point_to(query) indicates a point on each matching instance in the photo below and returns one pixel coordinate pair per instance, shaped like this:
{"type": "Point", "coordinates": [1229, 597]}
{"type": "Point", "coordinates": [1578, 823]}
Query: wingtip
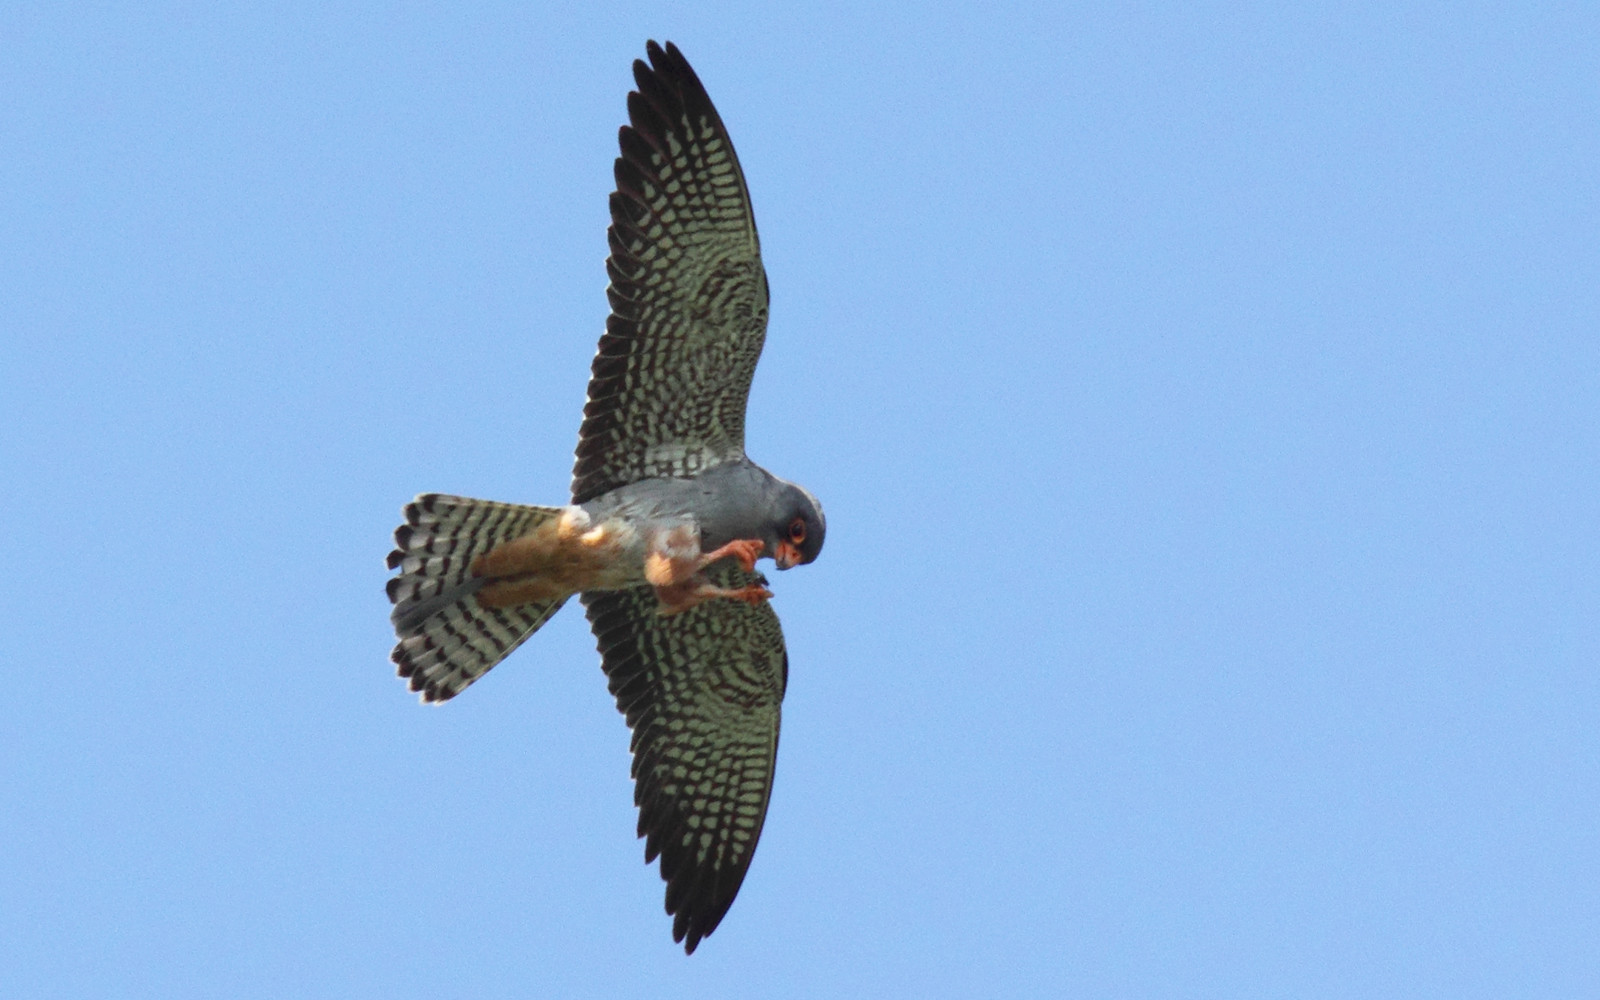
{"type": "Point", "coordinates": [666, 61]}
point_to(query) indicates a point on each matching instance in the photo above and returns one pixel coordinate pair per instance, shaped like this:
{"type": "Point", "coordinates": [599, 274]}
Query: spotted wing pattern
{"type": "Point", "coordinates": [701, 691]}
{"type": "Point", "coordinates": [447, 639]}
{"type": "Point", "coordinates": [688, 293]}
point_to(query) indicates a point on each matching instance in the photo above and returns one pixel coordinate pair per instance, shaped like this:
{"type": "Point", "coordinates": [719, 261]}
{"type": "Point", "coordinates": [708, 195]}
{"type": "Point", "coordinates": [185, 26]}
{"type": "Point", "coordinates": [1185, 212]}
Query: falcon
{"type": "Point", "coordinates": [668, 517]}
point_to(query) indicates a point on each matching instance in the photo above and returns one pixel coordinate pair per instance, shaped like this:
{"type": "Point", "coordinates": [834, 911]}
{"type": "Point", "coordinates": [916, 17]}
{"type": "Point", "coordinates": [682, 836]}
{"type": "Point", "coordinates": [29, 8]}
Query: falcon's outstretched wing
{"type": "Point", "coordinates": [701, 691]}
{"type": "Point", "coordinates": [688, 293]}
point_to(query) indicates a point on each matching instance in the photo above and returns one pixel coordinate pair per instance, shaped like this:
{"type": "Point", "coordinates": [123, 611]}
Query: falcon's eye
{"type": "Point", "coordinates": [797, 530]}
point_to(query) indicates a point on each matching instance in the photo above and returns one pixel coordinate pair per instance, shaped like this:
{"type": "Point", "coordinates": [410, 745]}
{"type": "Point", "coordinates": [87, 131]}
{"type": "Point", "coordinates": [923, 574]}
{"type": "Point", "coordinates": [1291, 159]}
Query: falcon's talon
{"type": "Point", "coordinates": [745, 550]}
{"type": "Point", "coordinates": [674, 598]}
{"type": "Point", "coordinates": [753, 594]}
{"type": "Point", "coordinates": [660, 466]}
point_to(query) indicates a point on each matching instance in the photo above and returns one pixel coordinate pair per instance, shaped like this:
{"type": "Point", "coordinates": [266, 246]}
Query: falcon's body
{"type": "Point", "coordinates": [667, 519]}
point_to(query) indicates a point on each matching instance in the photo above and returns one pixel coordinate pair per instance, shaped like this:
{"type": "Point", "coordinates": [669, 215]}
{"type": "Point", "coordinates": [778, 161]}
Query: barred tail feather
{"type": "Point", "coordinates": [447, 639]}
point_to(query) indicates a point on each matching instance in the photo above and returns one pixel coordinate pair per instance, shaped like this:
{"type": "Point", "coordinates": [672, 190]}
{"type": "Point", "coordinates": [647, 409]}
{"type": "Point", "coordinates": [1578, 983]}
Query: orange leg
{"type": "Point", "coordinates": [683, 596]}
{"type": "Point", "coordinates": [746, 550]}
{"type": "Point", "coordinates": [680, 585]}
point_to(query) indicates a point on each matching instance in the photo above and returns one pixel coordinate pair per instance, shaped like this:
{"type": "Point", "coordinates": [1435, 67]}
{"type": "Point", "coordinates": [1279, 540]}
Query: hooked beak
{"type": "Point", "coordinates": [787, 555]}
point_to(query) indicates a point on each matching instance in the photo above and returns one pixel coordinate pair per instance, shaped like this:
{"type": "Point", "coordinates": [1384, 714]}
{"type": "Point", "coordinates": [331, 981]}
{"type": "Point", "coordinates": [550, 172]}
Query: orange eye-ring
{"type": "Point", "coordinates": [797, 530]}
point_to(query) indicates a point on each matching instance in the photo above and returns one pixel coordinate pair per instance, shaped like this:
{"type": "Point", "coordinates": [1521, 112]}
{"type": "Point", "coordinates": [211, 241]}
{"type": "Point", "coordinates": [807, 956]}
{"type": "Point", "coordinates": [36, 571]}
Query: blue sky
{"type": "Point", "coordinates": [1204, 399]}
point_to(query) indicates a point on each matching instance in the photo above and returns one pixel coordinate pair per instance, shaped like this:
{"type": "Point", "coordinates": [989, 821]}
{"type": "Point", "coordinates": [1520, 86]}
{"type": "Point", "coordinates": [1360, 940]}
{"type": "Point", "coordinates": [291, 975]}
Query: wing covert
{"type": "Point", "coordinates": [688, 293]}
{"type": "Point", "coordinates": [701, 692]}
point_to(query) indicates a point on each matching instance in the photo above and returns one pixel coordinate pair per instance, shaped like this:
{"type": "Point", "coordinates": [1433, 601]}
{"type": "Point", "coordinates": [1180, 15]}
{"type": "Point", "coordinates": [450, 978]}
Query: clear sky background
{"type": "Point", "coordinates": [1204, 400]}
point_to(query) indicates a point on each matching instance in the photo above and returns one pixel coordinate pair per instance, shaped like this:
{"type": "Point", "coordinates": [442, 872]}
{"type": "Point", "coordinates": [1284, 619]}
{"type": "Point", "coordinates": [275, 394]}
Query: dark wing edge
{"type": "Point", "coordinates": [688, 292]}
{"type": "Point", "coordinates": [701, 692]}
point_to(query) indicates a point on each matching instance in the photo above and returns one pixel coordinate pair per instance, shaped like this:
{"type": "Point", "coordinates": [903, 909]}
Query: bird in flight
{"type": "Point", "coordinates": [668, 516]}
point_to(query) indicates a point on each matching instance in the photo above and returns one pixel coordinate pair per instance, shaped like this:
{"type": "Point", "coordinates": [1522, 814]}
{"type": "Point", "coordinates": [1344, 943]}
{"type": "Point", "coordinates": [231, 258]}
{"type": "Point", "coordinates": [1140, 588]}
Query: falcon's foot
{"type": "Point", "coordinates": [675, 563]}
{"type": "Point", "coordinates": [683, 596]}
{"type": "Point", "coordinates": [676, 557]}
{"type": "Point", "coordinates": [746, 550]}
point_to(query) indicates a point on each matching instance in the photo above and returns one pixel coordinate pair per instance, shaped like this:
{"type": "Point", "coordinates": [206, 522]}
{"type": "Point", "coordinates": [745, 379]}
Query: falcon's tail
{"type": "Point", "coordinates": [448, 639]}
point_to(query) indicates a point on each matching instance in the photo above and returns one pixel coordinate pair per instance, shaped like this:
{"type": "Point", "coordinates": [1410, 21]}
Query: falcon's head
{"type": "Point", "coordinates": [795, 536]}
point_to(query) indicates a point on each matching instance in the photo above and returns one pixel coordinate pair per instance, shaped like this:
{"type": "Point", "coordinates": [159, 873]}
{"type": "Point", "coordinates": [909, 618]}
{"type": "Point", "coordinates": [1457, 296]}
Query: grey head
{"type": "Point", "coordinates": [804, 526]}
{"type": "Point", "coordinates": [791, 524]}
{"type": "Point", "coordinates": [732, 501]}
{"type": "Point", "coordinates": [743, 500]}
